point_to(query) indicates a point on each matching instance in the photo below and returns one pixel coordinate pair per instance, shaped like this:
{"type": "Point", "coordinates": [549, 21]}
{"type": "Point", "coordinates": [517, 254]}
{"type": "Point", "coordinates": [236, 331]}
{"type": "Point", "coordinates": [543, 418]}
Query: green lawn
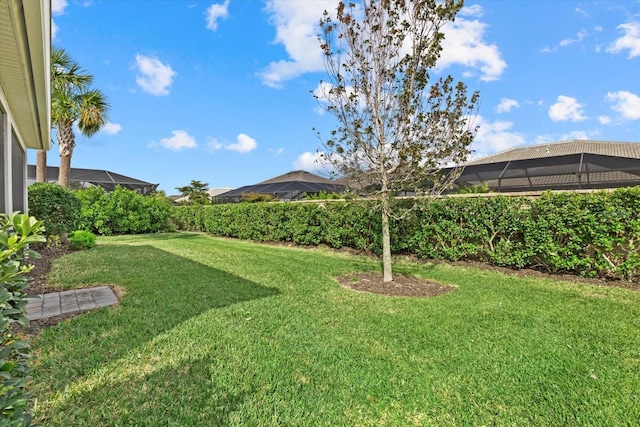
{"type": "Point", "coordinates": [221, 332]}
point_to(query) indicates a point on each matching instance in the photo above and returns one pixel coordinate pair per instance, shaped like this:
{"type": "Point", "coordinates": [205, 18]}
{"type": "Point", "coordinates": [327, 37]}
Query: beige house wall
{"type": "Point", "coordinates": [25, 93]}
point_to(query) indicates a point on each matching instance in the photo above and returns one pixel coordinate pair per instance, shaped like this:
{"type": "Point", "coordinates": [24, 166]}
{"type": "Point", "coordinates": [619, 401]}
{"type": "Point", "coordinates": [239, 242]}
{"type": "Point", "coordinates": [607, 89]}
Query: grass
{"type": "Point", "coordinates": [221, 332]}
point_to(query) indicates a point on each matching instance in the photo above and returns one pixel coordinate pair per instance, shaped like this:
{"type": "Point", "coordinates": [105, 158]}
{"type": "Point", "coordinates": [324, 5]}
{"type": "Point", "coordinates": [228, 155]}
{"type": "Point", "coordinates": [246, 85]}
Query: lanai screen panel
{"type": "Point", "coordinates": [576, 171]}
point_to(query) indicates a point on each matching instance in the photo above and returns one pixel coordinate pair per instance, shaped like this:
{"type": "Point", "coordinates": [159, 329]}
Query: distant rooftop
{"type": "Point", "coordinates": [575, 164]}
{"type": "Point", "coordinates": [564, 148]}
{"type": "Point", "coordinates": [102, 178]}
{"type": "Point", "coordinates": [289, 186]}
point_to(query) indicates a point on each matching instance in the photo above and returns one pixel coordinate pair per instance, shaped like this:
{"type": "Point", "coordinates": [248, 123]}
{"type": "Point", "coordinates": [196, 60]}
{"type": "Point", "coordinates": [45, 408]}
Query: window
{"type": "Point", "coordinates": [3, 165]}
{"type": "Point", "coordinates": [18, 166]}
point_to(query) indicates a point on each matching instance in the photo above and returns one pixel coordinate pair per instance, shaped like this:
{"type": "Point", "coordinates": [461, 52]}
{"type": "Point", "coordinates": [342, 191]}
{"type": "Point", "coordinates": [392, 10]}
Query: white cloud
{"type": "Point", "coordinates": [627, 104]}
{"type": "Point", "coordinates": [179, 140]}
{"type": "Point", "coordinates": [464, 44]}
{"type": "Point", "coordinates": [581, 12]}
{"type": "Point", "coordinates": [604, 120]}
{"type": "Point", "coordinates": [111, 128]}
{"type": "Point", "coordinates": [473, 10]}
{"type": "Point", "coordinates": [311, 162]}
{"type": "Point", "coordinates": [276, 152]}
{"type": "Point", "coordinates": [581, 35]}
{"type": "Point", "coordinates": [506, 105]}
{"type": "Point", "coordinates": [323, 94]}
{"type": "Point", "coordinates": [566, 108]}
{"type": "Point", "coordinates": [576, 134]}
{"type": "Point", "coordinates": [544, 139]}
{"type": "Point", "coordinates": [296, 25]}
{"type": "Point", "coordinates": [155, 77]}
{"type": "Point", "coordinates": [495, 137]}
{"type": "Point", "coordinates": [58, 6]}
{"type": "Point", "coordinates": [630, 40]}
{"type": "Point", "coordinates": [244, 144]}
{"type": "Point", "coordinates": [216, 12]}
{"type": "Point", "coordinates": [322, 91]}
{"type": "Point", "coordinates": [214, 145]}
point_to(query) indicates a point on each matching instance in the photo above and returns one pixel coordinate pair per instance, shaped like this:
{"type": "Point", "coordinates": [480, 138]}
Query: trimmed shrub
{"type": "Point", "coordinates": [56, 206]}
{"type": "Point", "coordinates": [16, 233]}
{"type": "Point", "coordinates": [123, 211]}
{"type": "Point", "coordinates": [592, 234]}
{"type": "Point", "coordinates": [82, 239]}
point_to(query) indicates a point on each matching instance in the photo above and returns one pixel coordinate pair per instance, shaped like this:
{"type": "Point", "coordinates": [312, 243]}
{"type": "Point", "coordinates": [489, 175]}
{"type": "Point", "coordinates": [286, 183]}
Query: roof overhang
{"type": "Point", "coordinates": [25, 49]}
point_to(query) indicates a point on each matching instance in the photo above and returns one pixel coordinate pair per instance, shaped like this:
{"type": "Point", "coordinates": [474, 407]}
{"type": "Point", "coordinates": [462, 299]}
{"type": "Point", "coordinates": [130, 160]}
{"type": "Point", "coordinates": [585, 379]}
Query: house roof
{"type": "Point", "coordinates": [102, 178]}
{"type": "Point", "coordinates": [25, 39]}
{"type": "Point", "coordinates": [576, 164]}
{"type": "Point", "coordinates": [297, 176]}
{"type": "Point", "coordinates": [603, 148]}
{"type": "Point", "coordinates": [287, 186]}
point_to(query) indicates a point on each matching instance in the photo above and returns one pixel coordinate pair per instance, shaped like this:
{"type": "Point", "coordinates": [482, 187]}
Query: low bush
{"type": "Point", "coordinates": [16, 233]}
{"type": "Point", "coordinates": [82, 239]}
{"type": "Point", "coordinates": [58, 207]}
{"type": "Point", "coordinates": [592, 234]}
{"type": "Point", "coordinates": [122, 211]}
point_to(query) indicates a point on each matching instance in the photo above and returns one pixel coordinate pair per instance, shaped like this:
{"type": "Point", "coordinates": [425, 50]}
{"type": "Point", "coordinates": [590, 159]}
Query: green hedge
{"type": "Point", "coordinates": [592, 234]}
{"type": "Point", "coordinates": [56, 206]}
{"type": "Point", "coordinates": [122, 211]}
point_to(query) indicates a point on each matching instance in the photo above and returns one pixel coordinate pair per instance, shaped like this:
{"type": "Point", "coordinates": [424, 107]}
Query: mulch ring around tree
{"type": "Point", "coordinates": [402, 285]}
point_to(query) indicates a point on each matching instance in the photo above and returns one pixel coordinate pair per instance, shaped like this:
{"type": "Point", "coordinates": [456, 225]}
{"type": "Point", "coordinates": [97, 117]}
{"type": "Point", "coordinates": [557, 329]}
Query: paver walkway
{"type": "Point", "coordinates": [57, 303]}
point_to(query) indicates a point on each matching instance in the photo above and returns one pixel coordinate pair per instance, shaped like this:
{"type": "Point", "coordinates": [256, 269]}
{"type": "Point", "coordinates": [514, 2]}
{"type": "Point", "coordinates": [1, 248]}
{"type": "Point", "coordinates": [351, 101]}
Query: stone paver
{"type": "Point", "coordinates": [57, 303]}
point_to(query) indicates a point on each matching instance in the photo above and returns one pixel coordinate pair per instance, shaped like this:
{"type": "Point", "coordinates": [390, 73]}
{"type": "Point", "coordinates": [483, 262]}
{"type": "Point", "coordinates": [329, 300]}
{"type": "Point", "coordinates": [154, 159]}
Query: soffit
{"type": "Point", "coordinates": [24, 75]}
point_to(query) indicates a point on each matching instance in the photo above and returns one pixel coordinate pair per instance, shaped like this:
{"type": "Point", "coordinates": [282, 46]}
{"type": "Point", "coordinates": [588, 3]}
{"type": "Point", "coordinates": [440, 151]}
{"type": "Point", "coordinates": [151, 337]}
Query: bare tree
{"type": "Point", "coordinates": [398, 129]}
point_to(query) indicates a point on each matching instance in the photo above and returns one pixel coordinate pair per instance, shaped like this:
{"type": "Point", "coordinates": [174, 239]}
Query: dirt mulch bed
{"type": "Point", "coordinates": [41, 266]}
{"type": "Point", "coordinates": [402, 285]}
{"type": "Point", "coordinates": [38, 282]}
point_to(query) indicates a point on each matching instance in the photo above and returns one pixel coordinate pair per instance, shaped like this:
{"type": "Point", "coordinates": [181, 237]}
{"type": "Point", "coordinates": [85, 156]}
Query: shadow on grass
{"type": "Point", "coordinates": [162, 291]}
{"type": "Point", "coordinates": [183, 394]}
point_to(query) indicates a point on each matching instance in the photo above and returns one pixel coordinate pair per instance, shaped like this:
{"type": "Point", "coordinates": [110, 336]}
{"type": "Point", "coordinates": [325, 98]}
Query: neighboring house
{"type": "Point", "coordinates": [293, 185]}
{"type": "Point", "coordinates": [81, 178]}
{"type": "Point", "coordinates": [567, 165]}
{"type": "Point", "coordinates": [213, 193]}
{"type": "Point", "coordinates": [25, 95]}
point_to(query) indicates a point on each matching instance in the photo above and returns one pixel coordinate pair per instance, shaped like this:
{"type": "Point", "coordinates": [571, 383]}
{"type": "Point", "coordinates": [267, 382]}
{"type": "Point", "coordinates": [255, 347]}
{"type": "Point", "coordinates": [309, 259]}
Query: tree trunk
{"type": "Point", "coordinates": [41, 166]}
{"type": "Point", "coordinates": [387, 275]}
{"type": "Point", "coordinates": [64, 174]}
{"type": "Point", "coordinates": [66, 143]}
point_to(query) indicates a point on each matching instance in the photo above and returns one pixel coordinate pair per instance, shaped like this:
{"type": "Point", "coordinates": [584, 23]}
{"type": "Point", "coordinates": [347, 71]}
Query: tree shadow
{"type": "Point", "coordinates": [182, 394]}
{"type": "Point", "coordinates": [158, 297]}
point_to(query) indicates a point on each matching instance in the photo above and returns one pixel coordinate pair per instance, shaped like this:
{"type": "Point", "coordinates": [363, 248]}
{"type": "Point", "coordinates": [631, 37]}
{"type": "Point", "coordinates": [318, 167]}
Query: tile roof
{"type": "Point", "coordinates": [297, 176]}
{"type": "Point", "coordinates": [603, 148]}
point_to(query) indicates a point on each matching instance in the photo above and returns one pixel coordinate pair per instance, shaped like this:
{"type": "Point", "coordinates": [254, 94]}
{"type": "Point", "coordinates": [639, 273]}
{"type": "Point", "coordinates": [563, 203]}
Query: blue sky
{"type": "Point", "coordinates": [221, 91]}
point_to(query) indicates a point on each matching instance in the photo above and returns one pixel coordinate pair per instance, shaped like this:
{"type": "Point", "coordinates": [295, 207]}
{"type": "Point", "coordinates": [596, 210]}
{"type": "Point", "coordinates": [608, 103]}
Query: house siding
{"type": "Point", "coordinates": [5, 168]}
{"type": "Point", "coordinates": [25, 99]}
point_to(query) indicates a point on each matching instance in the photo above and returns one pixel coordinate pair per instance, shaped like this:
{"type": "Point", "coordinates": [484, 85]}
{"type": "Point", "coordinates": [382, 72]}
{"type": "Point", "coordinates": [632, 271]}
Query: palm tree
{"type": "Point", "coordinates": [73, 102]}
